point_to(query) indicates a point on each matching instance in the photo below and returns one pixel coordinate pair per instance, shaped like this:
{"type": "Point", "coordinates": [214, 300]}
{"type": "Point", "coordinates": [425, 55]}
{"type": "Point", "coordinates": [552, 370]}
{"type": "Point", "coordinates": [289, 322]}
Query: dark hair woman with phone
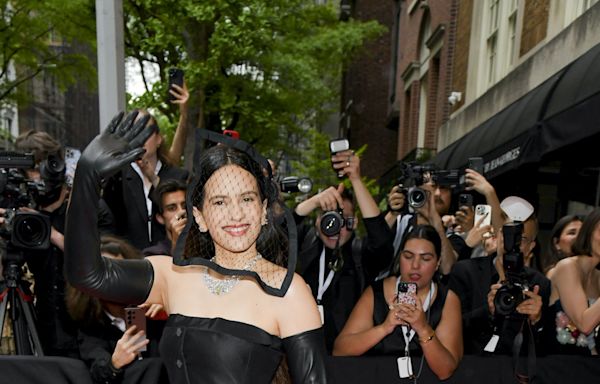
{"type": "Point", "coordinates": [236, 308]}
{"type": "Point", "coordinates": [429, 330]}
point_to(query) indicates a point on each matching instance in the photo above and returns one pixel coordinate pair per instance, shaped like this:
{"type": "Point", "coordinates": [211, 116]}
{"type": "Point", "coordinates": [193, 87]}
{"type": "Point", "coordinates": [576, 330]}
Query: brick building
{"type": "Point", "coordinates": [367, 92]}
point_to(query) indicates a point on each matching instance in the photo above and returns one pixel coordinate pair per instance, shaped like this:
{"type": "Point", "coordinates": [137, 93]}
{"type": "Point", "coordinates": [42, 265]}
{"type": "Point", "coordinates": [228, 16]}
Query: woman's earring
{"type": "Point", "coordinates": [265, 220]}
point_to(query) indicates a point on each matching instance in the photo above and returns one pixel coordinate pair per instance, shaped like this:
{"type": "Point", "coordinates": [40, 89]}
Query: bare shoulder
{"type": "Point", "coordinates": [297, 311]}
{"type": "Point", "coordinates": [566, 265]}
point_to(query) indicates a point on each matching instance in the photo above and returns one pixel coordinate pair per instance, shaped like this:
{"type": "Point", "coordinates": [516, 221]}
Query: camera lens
{"type": "Point", "coordinates": [508, 297]}
{"type": "Point", "coordinates": [331, 223]}
{"type": "Point", "coordinates": [31, 231]}
{"type": "Point", "coordinates": [417, 197]}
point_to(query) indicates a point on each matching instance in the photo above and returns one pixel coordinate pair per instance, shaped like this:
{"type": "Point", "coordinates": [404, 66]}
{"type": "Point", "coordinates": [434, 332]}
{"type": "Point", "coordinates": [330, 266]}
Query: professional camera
{"type": "Point", "coordinates": [332, 222]}
{"type": "Point", "coordinates": [291, 184]}
{"type": "Point", "coordinates": [24, 229]}
{"type": "Point", "coordinates": [510, 294]}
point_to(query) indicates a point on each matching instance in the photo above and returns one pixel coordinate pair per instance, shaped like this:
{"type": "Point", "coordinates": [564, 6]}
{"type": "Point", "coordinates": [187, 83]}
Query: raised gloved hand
{"type": "Point", "coordinates": [119, 281]}
{"type": "Point", "coordinates": [118, 145]}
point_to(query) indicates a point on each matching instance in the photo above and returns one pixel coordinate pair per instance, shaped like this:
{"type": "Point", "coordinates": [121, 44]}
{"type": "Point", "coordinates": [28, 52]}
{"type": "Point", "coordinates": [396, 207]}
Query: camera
{"type": "Point", "coordinates": [332, 222]}
{"type": "Point", "coordinates": [291, 184]}
{"type": "Point", "coordinates": [510, 294]}
{"type": "Point", "coordinates": [24, 229]}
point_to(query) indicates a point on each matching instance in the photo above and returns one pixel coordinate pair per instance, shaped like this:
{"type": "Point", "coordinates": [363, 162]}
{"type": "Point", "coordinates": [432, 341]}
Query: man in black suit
{"type": "Point", "coordinates": [129, 192]}
{"type": "Point", "coordinates": [476, 282]}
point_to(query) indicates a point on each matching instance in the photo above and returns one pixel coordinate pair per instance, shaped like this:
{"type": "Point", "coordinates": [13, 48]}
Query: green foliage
{"type": "Point", "coordinates": [268, 68]}
{"type": "Point", "coordinates": [36, 37]}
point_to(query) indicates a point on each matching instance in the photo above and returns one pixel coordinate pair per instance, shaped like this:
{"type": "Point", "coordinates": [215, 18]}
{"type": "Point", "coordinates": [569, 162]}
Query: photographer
{"type": "Point", "coordinates": [435, 203]}
{"type": "Point", "coordinates": [338, 266]}
{"type": "Point", "coordinates": [477, 281]}
{"type": "Point", "coordinates": [56, 329]}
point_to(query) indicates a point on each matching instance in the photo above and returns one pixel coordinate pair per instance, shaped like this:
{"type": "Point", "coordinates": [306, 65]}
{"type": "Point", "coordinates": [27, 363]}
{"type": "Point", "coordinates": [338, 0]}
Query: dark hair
{"type": "Point", "coordinates": [88, 309]}
{"type": "Point", "coordinates": [553, 255]}
{"type": "Point", "coordinates": [426, 232]}
{"type": "Point", "coordinates": [167, 186]}
{"type": "Point", "coordinates": [583, 242]}
{"type": "Point", "coordinates": [272, 242]}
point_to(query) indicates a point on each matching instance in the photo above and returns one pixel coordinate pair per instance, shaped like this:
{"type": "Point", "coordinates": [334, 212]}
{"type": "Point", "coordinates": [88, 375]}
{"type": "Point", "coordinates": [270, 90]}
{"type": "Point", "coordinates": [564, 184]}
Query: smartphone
{"type": "Point", "coordinates": [231, 133]}
{"type": "Point", "coordinates": [476, 164]}
{"type": "Point", "coordinates": [136, 316]}
{"type": "Point", "coordinates": [175, 77]}
{"type": "Point", "coordinates": [406, 293]}
{"type": "Point", "coordinates": [485, 211]}
{"type": "Point", "coordinates": [465, 199]}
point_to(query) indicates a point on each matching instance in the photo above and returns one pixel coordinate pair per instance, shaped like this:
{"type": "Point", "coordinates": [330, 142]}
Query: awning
{"type": "Point", "coordinates": [561, 111]}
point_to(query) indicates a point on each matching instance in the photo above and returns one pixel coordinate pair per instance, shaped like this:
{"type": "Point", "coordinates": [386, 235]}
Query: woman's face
{"type": "Point", "coordinates": [418, 262]}
{"type": "Point", "coordinates": [567, 237]}
{"type": "Point", "coordinates": [232, 210]}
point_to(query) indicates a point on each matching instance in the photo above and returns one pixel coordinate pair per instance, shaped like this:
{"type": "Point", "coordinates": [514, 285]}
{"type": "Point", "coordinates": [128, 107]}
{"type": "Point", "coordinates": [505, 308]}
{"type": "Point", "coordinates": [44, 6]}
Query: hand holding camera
{"type": "Point", "coordinates": [396, 199]}
{"type": "Point", "coordinates": [327, 200]}
{"type": "Point", "coordinates": [346, 163]}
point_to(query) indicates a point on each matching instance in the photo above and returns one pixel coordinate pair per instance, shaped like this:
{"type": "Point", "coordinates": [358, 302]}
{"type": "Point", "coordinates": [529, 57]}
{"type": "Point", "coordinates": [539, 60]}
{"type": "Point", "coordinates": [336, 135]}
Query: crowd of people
{"type": "Point", "coordinates": [238, 287]}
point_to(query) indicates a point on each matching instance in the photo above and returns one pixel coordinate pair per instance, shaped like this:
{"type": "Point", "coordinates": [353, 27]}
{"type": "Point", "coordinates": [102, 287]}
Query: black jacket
{"type": "Point", "coordinates": [124, 194]}
{"type": "Point", "coordinates": [471, 280]}
{"type": "Point", "coordinates": [358, 270]}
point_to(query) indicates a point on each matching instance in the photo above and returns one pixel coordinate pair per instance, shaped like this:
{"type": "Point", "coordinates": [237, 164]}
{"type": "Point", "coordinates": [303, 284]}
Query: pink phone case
{"type": "Point", "coordinates": [406, 293]}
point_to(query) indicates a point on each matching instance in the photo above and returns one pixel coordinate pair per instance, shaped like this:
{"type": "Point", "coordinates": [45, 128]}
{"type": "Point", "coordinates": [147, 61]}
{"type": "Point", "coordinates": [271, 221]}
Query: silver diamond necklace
{"type": "Point", "coordinates": [222, 286]}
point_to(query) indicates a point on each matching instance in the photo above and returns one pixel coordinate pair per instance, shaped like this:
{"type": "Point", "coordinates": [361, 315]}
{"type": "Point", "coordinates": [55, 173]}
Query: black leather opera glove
{"type": "Point", "coordinates": [306, 357]}
{"type": "Point", "coordinates": [121, 281]}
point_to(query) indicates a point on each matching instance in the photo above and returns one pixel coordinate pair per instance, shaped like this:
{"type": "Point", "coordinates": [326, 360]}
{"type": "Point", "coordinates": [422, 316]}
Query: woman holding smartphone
{"type": "Point", "coordinates": [431, 329]}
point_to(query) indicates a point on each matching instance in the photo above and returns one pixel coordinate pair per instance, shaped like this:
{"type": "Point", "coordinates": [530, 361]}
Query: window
{"type": "Point", "coordinates": [492, 41]}
{"type": "Point", "coordinates": [512, 32]}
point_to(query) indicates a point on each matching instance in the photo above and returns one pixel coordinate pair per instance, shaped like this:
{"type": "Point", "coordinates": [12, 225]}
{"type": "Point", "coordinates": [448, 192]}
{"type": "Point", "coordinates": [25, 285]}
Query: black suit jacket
{"type": "Point", "coordinates": [471, 280]}
{"type": "Point", "coordinates": [124, 194]}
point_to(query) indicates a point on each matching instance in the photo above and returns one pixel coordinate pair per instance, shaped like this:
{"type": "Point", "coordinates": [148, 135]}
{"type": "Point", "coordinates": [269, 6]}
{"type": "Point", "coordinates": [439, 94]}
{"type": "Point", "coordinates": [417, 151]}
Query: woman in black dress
{"type": "Point", "coordinates": [234, 307]}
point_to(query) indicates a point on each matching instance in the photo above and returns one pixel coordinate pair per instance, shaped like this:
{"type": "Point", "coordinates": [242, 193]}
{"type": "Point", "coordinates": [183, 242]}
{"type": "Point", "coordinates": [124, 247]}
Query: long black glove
{"type": "Point", "coordinates": [306, 357]}
{"type": "Point", "coordinates": [122, 281]}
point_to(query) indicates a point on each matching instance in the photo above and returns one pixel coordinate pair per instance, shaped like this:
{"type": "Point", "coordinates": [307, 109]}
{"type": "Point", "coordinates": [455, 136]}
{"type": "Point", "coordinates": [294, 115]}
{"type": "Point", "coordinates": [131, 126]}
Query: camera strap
{"type": "Point", "coordinates": [531, 359]}
{"type": "Point", "coordinates": [324, 283]}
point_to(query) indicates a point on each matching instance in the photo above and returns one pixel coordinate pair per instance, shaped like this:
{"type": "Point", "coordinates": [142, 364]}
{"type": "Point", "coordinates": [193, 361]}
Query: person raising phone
{"type": "Point", "coordinates": [431, 329]}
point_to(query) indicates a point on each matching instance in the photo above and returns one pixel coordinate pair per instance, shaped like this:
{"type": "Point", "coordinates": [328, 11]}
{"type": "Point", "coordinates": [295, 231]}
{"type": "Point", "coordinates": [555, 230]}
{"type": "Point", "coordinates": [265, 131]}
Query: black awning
{"type": "Point", "coordinates": [562, 110]}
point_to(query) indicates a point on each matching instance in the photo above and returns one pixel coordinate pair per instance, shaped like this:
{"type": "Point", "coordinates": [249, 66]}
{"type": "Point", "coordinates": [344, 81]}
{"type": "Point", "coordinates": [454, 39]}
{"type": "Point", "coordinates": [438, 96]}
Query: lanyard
{"type": "Point", "coordinates": [407, 332]}
{"type": "Point", "coordinates": [323, 283]}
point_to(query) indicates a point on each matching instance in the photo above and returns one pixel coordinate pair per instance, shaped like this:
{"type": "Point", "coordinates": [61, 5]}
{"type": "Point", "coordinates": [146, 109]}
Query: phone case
{"type": "Point", "coordinates": [136, 316]}
{"type": "Point", "coordinates": [175, 77]}
{"type": "Point", "coordinates": [476, 164]}
{"type": "Point", "coordinates": [406, 293]}
{"type": "Point", "coordinates": [483, 210]}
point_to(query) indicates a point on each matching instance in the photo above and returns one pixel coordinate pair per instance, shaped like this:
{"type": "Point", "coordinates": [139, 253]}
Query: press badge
{"type": "Point", "coordinates": [320, 307]}
{"type": "Point", "coordinates": [405, 367]}
{"type": "Point", "coordinates": [492, 344]}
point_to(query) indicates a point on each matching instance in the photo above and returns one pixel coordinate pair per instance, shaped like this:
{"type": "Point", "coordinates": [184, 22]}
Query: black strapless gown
{"type": "Point", "coordinates": [201, 350]}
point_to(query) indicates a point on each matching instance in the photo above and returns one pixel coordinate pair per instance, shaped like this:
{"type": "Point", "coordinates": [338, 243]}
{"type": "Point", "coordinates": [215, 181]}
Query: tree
{"type": "Point", "coordinates": [267, 68]}
{"type": "Point", "coordinates": [35, 37]}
